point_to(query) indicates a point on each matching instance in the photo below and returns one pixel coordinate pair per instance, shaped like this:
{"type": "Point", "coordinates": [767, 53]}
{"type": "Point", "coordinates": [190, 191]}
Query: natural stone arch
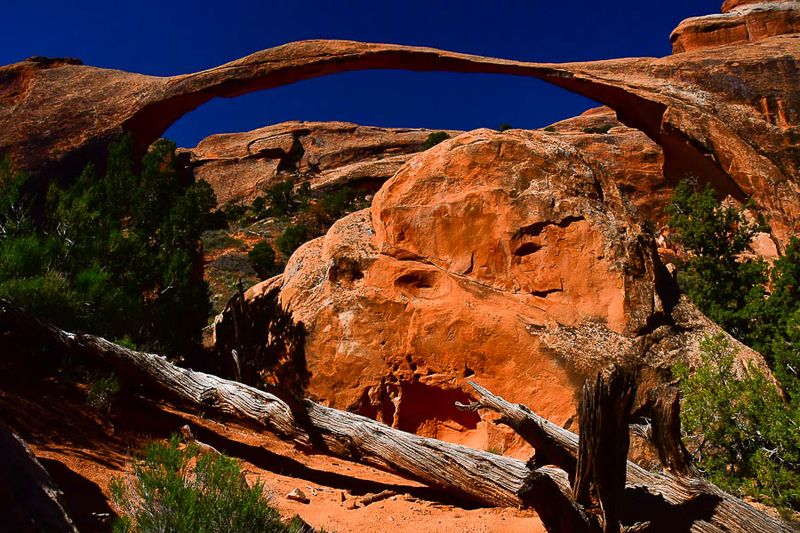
{"type": "Point", "coordinates": [690, 104]}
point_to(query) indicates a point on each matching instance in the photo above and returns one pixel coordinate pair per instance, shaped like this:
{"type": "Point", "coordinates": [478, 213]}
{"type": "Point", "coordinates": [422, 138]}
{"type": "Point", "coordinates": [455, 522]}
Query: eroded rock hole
{"type": "Point", "coordinates": [345, 271]}
{"type": "Point", "coordinates": [536, 229]}
{"type": "Point", "coordinates": [416, 280]}
{"type": "Point", "coordinates": [527, 248]}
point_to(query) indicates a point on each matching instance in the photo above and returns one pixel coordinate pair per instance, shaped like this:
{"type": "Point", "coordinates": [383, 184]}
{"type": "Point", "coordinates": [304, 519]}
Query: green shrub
{"type": "Point", "coordinates": [435, 138]}
{"type": "Point", "coordinates": [262, 258]}
{"type": "Point", "coordinates": [338, 203]}
{"type": "Point", "coordinates": [605, 128]}
{"type": "Point", "coordinates": [182, 490]}
{"type": "Point", "coordinates": [743, 434]}
{"type": "Point", "coordinates": [281, 199]}
{"type": "Point", "coordinates": [234, 211]}
{"type": "Point", "coordinates": [116, 255]}
{"type": "Point", "coordinates": [217, 220]}
{"type": "Point", "coordinates": [725, 288]}
{"type": "Point", "coordinates": [102, 391]}
{"type": "Point", "coordinates": [47, 295]}
{"type": "Point", "coordinates": [259, 204]}
{"type": "Point", "coordinates": [746, 435]}
{"type": "Point", "coordinates": [504, 127]}
{"type": "Point", "coordinates": [550, 129]}
{"type": "Point", "coordinates": [292, 238]}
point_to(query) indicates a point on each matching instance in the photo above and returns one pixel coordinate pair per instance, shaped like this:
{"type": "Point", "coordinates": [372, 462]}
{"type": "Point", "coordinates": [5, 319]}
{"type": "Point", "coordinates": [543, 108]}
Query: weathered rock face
{"type": "Point", "coordinates": [239, 166]}
{"type": "Point", "coordinates": [511, 258]}
{"type": "Point", "coordinates": [726, 115]}
{"type": "Point", "coordinates": [730, 5]}
{"type": "Point", "coordinates": [741, 23]}
{"type": "Point", "coordinates": [624, 156]}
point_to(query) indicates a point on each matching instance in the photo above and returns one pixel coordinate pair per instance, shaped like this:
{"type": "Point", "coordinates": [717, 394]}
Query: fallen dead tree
{"type": "Point", "coordinates": [561, 469]}
{"type": "Point", "coordinates": [675, 500]}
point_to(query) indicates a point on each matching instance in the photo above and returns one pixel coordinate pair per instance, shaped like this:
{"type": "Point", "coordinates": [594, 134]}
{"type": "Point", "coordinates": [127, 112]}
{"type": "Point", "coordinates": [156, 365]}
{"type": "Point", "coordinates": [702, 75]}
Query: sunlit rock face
{"type": "Point", "coordinates": [328, 155]}
{"type": "Point", "coordinates": [741, 22]}
{"type": "Point", "coordinates": [510, 258]}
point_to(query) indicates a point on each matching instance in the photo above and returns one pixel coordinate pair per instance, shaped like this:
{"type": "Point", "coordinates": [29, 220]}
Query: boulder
{"type": "Point", "coordinates": [510, 258]}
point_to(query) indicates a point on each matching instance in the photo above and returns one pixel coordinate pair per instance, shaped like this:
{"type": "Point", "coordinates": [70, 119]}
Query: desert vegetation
{"type": "Point", "coordinates": [182, 488]}
{"type": "Point", "coordinates": [117, 253]}
{"type": "Point", "coordinates": [297, 216]}
{"type": "Point", "coordinates": [744, 431]}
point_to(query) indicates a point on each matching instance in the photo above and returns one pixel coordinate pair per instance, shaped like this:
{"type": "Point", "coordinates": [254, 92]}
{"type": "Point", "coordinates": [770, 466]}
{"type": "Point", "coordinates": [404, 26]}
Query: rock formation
{"type": "Point", "coordinates": [239, 166]}
{"type": "Point", "coordinates": [741, 22]}
{"type": "Point", "coordinates": [718, 113]}
{"type": "Point", "coordinates": [514, 258]}
{"type": "Point", "coordinates": [519, 257]}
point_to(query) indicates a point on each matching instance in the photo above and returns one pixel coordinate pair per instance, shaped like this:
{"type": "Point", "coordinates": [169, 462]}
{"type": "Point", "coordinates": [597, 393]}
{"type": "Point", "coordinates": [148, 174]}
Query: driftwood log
{"type": "Point", "coordinates": [650, 502]}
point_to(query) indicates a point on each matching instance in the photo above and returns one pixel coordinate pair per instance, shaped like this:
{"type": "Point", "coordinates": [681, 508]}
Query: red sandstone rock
{"type": "Point", "coordinates": [509, 258]}
{"type": "Point", "coordinates": [239, 166]}
{"type": "Point", "coordinates": [750, 22]}
{"type": "Point", "coordinates": [726, 115]}
{"type": "Point", "coordinates": [730, 5]}
{"type": "Point", "coordinates": [625, 156]}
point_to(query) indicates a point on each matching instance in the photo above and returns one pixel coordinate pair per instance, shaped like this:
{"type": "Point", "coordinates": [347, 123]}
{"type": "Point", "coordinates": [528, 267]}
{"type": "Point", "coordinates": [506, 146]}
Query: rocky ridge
{"type": "Point", "coordinates": [740, 22]}
{"type": "Point", "coordinates": [239, 166]}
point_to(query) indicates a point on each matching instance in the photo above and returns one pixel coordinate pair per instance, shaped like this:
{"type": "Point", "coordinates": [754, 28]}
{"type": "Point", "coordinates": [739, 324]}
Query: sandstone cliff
{"type": "Point", "coordinates": [239, 166]}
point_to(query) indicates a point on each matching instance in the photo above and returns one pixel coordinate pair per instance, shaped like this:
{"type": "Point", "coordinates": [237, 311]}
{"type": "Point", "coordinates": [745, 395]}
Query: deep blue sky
{"type": "Point", "coordinates": [176, 37]}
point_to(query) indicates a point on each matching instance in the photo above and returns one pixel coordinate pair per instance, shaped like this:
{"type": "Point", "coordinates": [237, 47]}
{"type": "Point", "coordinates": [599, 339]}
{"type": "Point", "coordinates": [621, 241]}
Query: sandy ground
{"type": "Point", "coordinates": [84, 452]}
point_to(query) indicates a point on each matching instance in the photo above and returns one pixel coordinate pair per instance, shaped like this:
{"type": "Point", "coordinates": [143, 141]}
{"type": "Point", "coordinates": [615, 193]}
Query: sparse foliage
{"type": "Point", "coordinates": [744, 435]}
{"type": "Point", "coordinates": [262, 257]}
{"type": "Point", "coordinates": [292, 237]}
{"type": "Point", "coordinates": [102, 391]}
{"type": "Point", "coordinates": [183, 490]}
{"type": "Point", "coordinates": [435, 138]}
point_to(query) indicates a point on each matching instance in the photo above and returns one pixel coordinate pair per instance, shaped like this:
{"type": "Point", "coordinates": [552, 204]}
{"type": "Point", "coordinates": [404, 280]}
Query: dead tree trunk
{"type": "Point", "coordinates": [603, 413]}
{"type": "Point", "coordinates": [652, 501]}
{"type": "Point", "coordinates": [479, 476]}
{"type": "Point", "coordinates": [666, 431]}
{"type": "Point", "coordinates": [658, 502]}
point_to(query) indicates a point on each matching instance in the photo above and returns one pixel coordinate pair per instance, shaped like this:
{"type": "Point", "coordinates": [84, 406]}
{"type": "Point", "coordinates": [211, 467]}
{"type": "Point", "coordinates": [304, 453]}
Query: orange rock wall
{"type": "Point", "coordinates": [508, 258]}
{"type": "Point", "coordinates": [240, 166]}
{"type": "Point", "coordinates": [741, 22]}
